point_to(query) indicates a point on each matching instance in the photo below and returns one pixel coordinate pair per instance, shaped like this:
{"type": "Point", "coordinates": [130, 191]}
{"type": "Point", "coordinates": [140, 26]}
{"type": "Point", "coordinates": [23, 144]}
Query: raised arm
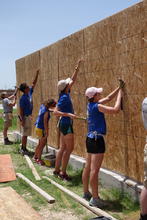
{"type": "Point", "coordinates": [112, 94]}
{"type": "Point", "coordinates": [109, 97]}
{"type": "Point", "coordinates": [14, 94]}
{"type": "Point", "coordinates": [12, 98]}
{"type": "Point", "coordinates": [12, 102]}
{"type": "Point", "coordinates": [35, 80]}
{"type": "Point", "coordinates": [112, 110]}
{"type": "Point", "coordinates": [74, 76]}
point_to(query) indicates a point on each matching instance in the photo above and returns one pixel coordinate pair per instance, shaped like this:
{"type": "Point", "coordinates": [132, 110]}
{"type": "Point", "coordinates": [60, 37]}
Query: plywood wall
{"type": "Point", "coordinates": [112, 48]}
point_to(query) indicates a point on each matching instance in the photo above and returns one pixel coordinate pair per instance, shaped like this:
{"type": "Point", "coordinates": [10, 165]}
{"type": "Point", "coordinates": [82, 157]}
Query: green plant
{"type": "Point", "coordinates": [121, 201]}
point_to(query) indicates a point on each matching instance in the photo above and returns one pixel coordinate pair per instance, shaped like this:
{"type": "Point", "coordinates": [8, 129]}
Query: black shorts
{"type": "Point", "coordinates": [95, 146]}
{"type": "Point", "coordinates": [66, 128]}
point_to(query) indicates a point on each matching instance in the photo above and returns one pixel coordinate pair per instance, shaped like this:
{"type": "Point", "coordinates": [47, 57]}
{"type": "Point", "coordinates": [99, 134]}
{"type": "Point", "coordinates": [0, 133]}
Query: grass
{"type": "Point", "coordinates": [120, 205]}
{"type": "Point", "coordinates": [63, 202]}
{"type": "Point", "coordinates": [14, 124]}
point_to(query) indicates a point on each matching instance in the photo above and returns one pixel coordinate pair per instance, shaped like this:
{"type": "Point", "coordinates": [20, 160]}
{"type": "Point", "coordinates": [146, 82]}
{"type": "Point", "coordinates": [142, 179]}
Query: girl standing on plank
{"type": "Point", "coordinates": [42, 126]}
{"type": "Point", "coordinates": [95, 143]}
{"type": "Point", "coordinates": [65, 125]}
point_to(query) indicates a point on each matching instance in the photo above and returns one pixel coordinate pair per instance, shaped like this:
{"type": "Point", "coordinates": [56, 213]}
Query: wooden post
{"type": "Point", "coordinates": [82, 201]}
{"type": "Point", "coordinates": [31, 165]}
{"type": "Point", "coordinates": [49, 198]}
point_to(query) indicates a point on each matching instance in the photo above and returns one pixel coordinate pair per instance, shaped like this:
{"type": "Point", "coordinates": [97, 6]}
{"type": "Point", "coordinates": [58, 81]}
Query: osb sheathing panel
{"type": "Point", "coordinates": [49, 79]}
{"type": "Point", "coordinates": [112, 48]}
{"type": "Point", "coordinates": [20, 77]}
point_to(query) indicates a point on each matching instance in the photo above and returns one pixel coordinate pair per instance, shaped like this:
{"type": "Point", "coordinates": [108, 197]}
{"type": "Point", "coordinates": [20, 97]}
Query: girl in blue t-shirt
{"type": "Point", "coordinates": [65, 125]}
{"type": "Point", "coordinates": [41, 126]}
{"type": "Point", "coordinates": [95, 143]}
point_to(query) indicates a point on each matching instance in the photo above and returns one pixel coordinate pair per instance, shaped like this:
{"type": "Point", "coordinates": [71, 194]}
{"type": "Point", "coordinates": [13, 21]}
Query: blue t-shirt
{"type": "Point", "coordinates": [26, 103]}
{"type": "Point", "coordinates": [65, 105]}
{"type": "Point", "coordinates": [40, 119]}
{"type": "Point", "coordinates": [96, 120]}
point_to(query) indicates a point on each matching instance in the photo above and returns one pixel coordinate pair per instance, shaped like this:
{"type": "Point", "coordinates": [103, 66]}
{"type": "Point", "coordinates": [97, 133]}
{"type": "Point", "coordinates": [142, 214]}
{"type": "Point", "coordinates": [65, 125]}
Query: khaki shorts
{"type": "Point", "coordinates": [27, 129]}
{"type": "Point", "coordinates": [7, 120]}
{"type": "Point", "coordinates": [39, 132]}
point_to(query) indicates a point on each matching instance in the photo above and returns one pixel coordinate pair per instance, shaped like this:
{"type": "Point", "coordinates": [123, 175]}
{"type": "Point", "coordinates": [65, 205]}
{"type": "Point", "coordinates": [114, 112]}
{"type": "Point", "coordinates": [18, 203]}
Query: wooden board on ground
{"type": "Point", "coordinates": [13, 206]}
{"type": "Point", "coordinates": [7, 172]}
{"type": "Point", "coordinates": [34, 171]}
{"type": "Point", "coordinates": [49, 198]}
{"type": "Point", "coordinates": [80, 200]}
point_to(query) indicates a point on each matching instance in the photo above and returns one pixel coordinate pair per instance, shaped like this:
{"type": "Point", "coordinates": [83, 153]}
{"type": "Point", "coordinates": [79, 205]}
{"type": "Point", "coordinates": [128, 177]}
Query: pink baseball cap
{"type": "Point", "coordinates": [91, 91]}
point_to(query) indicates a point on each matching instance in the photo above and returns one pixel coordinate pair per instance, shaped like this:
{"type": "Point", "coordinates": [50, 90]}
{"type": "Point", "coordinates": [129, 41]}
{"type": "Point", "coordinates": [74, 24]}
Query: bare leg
{"type": "Point", "coordinates": [24, 142]}
{"type": "Point", "coordinates": [96, 161]}
{"type": "Point", "coordinates": [5, 132]}
{"type": "Point", "coordinates": [42, 144]}
{"type": "Point", "coordinates": [36, 150]}
{"type": "Point", "coordinates": [86, 173]}
{"type": "Point", "coordinates": [69, 146]}
{"type": "Point", "coordinates": [60, 153]}
{"type": "Point", "coordinates": [143, 201]}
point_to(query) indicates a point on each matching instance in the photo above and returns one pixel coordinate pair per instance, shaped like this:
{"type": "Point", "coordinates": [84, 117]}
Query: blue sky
{"type": "Point", "coordinates": [29, 25]}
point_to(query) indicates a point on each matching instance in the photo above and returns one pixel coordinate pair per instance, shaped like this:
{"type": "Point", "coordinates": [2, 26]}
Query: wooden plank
{"type": "Point", "coordinates": [31, 165]}
{"type": "Point", "coordinates": [7, 172]}
{"type": "Point", "coordinates": [49, 198]}
{"type": "Point", "coordinates": [82, 201]}
{"type": "Point", "coordinates": [13, 206]}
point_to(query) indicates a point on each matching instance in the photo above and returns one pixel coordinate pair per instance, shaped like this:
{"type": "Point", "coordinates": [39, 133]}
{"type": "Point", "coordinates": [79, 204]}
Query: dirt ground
{"type": "Point", "coordinates": [47, 214]}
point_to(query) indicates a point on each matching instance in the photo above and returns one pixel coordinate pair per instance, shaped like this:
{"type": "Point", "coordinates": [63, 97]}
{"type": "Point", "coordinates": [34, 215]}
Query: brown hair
{"type": "Point", "coordinates": [50, 102]}
{"type": "Point", "coordinates": [23, 86]}
{"type": "Point", "coordinates": [91, 99]}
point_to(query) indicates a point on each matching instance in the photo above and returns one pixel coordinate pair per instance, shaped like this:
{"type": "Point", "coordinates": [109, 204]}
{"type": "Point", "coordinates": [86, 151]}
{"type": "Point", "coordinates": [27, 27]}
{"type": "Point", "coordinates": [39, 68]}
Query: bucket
{"type": "Point", "coordinates": [49, 160]}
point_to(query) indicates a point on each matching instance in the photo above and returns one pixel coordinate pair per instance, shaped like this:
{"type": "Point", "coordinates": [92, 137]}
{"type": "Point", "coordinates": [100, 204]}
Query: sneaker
{"type": "Point", "coordinates": [56, 173]}
{"type": "Point", "coordinates": [34, 159]}
{"type": "Point", "coordinates": [7, 142]}
{"type": "Point", "coordinates": [40, 162]}
{"type": "Point", "coordinates": [97, 202]}
{"type": "Point", "coordinates": [143, 217]}
{"type": "Point", "coordinates": [24, 152]}
{"type": "Point", "coordinates": [87, 196]}
{"type": "Point", "coordinates": [64, 176]}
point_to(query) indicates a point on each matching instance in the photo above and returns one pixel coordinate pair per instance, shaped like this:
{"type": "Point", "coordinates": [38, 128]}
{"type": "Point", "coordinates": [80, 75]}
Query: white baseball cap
{"type": "Point", "coordinates": [3, 94]}
{"type": "Point", "coordinates": [91, 91]}
{"type": "Point", "coordinates": [63, 83]}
